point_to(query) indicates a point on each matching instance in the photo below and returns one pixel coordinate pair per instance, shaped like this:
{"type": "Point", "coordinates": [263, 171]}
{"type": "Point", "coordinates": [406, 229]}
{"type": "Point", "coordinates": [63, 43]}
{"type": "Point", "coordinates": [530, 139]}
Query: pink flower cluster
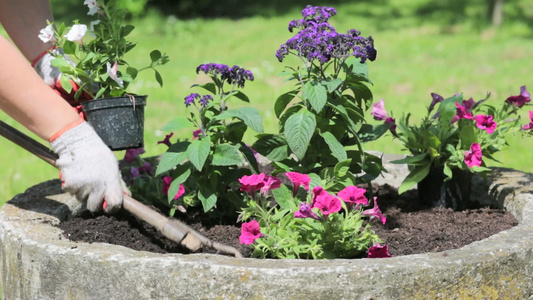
{"type": "Point", "coordinates": [259, 182]}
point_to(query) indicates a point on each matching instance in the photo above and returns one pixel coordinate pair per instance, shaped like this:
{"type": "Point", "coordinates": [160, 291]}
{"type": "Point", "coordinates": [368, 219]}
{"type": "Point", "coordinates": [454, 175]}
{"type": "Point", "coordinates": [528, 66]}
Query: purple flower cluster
{"type": "Point", "coordinates": [232, 75]}
{"type": "Point", "coordinates": [318, 40]}
{"type": "Point", "coordinates": [204, 100]}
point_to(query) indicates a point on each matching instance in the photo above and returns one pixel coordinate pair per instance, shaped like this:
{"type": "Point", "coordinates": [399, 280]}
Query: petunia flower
{"type": "Point", "coordinates": [252, 183]}
{"type": "Point", "coordinates": [530, 125]}
{"type": "Point", "coordinates": [317, 191]}
{"type": "Point", "coordinates": [473, 157]}
{"type": "Point", "coordinates": [436, 99]}
{"type": "Point", "coordinates": [93, 7]}
{"type": "Point", "coordinates": [270, 183]}
{"type": "Point", "coordinates": [47, 34]}
{"type": "Point", "coordinates": [76, 33]}
{"type": "Point", "coordinates": [305, 211]}
{"type": "Point", "coordinates": [196, 133]}
{"type": "Point", "coordinates": [520, 100]}
{"type": "Point", "coordinates": [135, 172]}
{"type": "Point", "coordinates": [112, 72]}
{"type": "Point", "coordinates": [378, 111]}
{"type": "Point", "coordinates": [378, 251]}
{"type": "Point", "coordinates": [486, 123]}
{"type": "Point", "coordinates": [327, 203]}
{"type": "Point", "coordinates": [464, 111]}
{"type": "Point", "coordinates": [166, 141]}
{"type": "Point", "coordinates": [250, 231]}
{"type": "Point", "coordinates": [375, 212]}
{"type": "Point", "coordinates": [167, 180]}
{"type": "Point", "coordinates": [353, 195]}
{"type": "Point", "coordinates": [297, 180]}
{"type": "Point", "coordinates": [146, 168]}
{"type": "Point", "coordinates": [131, 154]}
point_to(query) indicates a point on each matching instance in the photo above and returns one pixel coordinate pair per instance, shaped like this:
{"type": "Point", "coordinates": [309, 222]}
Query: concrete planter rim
{"type": "Point", "coordinates": [97, 271]}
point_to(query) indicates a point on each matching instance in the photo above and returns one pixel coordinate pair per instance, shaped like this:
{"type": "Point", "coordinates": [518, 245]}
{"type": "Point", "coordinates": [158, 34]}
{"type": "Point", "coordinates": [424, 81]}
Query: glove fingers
{"type": "Point", "coordinates": [114, 196]}
{"type": "Point", "coordinates": [95, 199]}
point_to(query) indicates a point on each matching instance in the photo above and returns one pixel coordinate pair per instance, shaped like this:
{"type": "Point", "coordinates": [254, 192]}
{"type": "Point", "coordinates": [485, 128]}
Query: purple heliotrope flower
{"type": "Point", "coordinates": [375, 212]}
{"type": "Point", "coordinates": [131, 154]}
{"type": "Point", "coordinates": [327, 203]}
{"type": "Point", "coordinates": [436, 99]}
{"type": "Point", "coordinates": [353, 195]}
{"type": "Point", "coordinates": [464, 111]}
{"type": "Point", "coordinates": [529, 126]}
{"type": "Point", "coordinates": [252, 183]}
{"type": "Point", "coordinates": [378, 251]}
{"type": "Point", "coordinates": [520, 100]}
{"type": "Point", "coordinates": [250, 231]}
{"type": "Point", "coordinates": [298, 180]}
{"type": "Point", "coordinates": [191, 98]}
{"type": "Point", "coordinates": [204, 101]}
{"type": "Point", "coordinates": [486, 123]}
{"type": "Point", "coordinates": [234, 75]}
{"type": "Point", "coordinates": [305, 211]}
{"type": "Point", "coordinates": [166, 140]}
{"type": "Point", "coordinates": [474, 157]}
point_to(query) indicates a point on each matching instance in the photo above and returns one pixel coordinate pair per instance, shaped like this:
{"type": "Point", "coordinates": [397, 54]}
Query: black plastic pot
{"type": "Point", "coordinates": [433, 191]}
{"type": "Point", "coordinates": [118, 121]}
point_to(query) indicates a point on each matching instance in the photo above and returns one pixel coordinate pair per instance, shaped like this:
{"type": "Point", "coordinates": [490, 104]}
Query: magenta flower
{"type": "Point", "coordinates": [317, 191]}
{"type": "Point", "coordinates": [146, 168]}
{"type": "Point", "coordinates": [378, 251]}
{"type": "Point", "coordinates": [436, 99]}
{"type": "Point", "coordinates": [530, 125]}
{"type": "Point", "coordinates": [464, 111]}
{"type": "Point", "coordinates": [270, 183]}
{"type": "Point", "coordinates": [298, 179]}
{"type": "Point", "coordinates": [353, 195]}
{"type": "Point", "coordinates": [378, 111]}
{"type": "Point", "coordinates": [250, 231]}
{"type": "Point", "coordinates": [375, 212]}
{"type": "Point", "coordinates": [486, 123]}
{"type": "Point", "coordinates": [167, 180]}
{"type": "Point", "coordinates": [473, 157]}
{"type": "Point", "coordinates": [327, 203]}
{"type": "Point", "coordinates": [520, 100]}
{"type": "Point", "coordinates": [131, 154]}
{"type": "Point", "coordinates": [252, 183]}
{"type": "Point", "coordinates": [196, 134]}
{"type": "Point", "coordinates": [166, 141]}
{"type": "Point", "coordinates": [305, 211]}
{"type": "Point", "coordinates": [134, 173]}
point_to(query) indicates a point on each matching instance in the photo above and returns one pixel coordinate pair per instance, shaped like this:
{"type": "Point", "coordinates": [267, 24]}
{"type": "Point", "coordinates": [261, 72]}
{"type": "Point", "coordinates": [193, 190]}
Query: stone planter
{"type": "Point", "coordinates": [37, 263]}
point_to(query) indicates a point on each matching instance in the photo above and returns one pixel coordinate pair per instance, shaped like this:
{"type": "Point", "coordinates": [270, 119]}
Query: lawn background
{"type": "Point", "coordinates": [423, 47]}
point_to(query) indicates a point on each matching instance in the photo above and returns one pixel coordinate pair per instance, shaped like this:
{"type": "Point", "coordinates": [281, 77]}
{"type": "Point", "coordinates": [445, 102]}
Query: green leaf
{"type": "Point", "coordinates": [369, 132]}
{"type": "Point", "coordinates": [174, 187]}
{"type": "Point", "coordinates": [158, 78]}
{"type": "Point", "coordinates": [283, 196]}
{"type": "Point", "coordinates": [61, 64]}
{"type": "Point", "coordinates": [66, 84]}
{"type": "Point", "coordinates": [126, 29]}
{"type": "Point", "coordinates": [155, 55]}
{"type": "Point", "coordinates": [416, 175]}
{"type": "Point", "coordinates": [315, 181]}
{"type": "Point", "coordinates": [282, 102]}
{"type": "Point", "coordinates": [178, 123]}
{"type": "Point", "coordinates": [250, 116]}
{"type": "Point", "coordinates": [208, 198]}
{"type": "Point", "coordinates": [132, 72]}
{"type": "Point", "coordinates": [235, 132]}
{"type": "Point", "coordinates": [337, 149]}
{"type": "Point", "coordinates": [342, 168]}
{"type": "Point", "coordinates": [226, 155]}
{"type": "Point", "coordinates": [242, 96]}
{"type": "Point", "coordinates": [274, 147]}
{"type": "Point", "coordinates": [357, 66]}
{"type": "Point", "coordinates": [69, 48]}
{"type": "Point", "coordinates": [411, 160]}
{"type": "Point", "coordinates": [198, 151]}
{"type": "Point", "coordinates": [250, 157]}
{"type": "Point", "coordinates": [211, 87]}
{"type": "Point", "coordinates": [299, 129]}
{"type": "Point", "coordinates": [316, 94]}
{"type": "Point", "coordinates": [174, 156]}
{"type": "Point", "coordinates": [332, 85]}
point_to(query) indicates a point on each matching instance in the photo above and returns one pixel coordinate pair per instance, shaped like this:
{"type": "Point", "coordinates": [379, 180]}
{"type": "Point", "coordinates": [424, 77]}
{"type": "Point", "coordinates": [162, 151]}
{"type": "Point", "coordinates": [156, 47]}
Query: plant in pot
{"type": "Point", "coordinates": [93, 66]}
{"type": "Point", "coordinates": [451, 142]}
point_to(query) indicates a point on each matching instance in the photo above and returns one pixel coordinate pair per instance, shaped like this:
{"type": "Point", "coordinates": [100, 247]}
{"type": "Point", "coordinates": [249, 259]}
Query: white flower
{"type": "Point", "coordinates": [112, 72]}
{"type": "Point", "coordinates": [93, 6]}
{"type": "Point", "coordinates": [91, 27]}
{"type": "Point", "coordinates": [76, 33]}
{"type": "Point", "coordinates": [47, 34]}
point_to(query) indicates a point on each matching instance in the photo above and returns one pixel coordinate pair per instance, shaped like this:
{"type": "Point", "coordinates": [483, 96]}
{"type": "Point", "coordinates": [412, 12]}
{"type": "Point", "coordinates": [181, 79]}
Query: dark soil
{"type": "Point", "coordinates": [409, 229]}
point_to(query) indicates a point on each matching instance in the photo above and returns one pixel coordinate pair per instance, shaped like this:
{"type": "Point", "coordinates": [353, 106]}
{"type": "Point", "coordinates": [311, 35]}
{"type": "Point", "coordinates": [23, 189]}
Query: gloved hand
{"type": "Point", "coordinates": [52, 76]}
{"type": "Point", "coordinates": [88, 168]}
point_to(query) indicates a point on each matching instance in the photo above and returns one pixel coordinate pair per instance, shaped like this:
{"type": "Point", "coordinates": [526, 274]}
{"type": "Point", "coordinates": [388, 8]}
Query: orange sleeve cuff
{"type": "Point", "coordinates": [65, 129]}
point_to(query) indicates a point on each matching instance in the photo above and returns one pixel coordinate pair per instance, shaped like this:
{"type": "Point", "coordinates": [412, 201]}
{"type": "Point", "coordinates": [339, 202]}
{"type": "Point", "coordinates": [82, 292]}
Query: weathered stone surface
{"type": "Point", "coordinates": [36, 263]}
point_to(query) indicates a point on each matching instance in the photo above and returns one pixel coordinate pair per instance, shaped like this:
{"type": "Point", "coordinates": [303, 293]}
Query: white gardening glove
{"type": "Point", "coordinates": [88, 168]}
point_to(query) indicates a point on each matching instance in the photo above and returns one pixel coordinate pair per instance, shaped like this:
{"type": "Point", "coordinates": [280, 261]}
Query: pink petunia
{"type": "Point", "coordinates": [250, 231]}
{"type": "Point", "coordinates": [464, 111]}
{"type": "Point", "coordinates": [353, 195]}
{"type": "Point", "coordinates": [378, 251]}
{"type": "Point", "coordinates": [270, 183]}
{"type": "Point", "coordinates": [305, 211]}
{"type": "Point", "coordinates": [375, 212]}
{"type": "Point", "coordinates": [252, 183]}
{"type": "Point", "coordinates": [327, 204]}
{"type": "Point", "coordinates": [473, 157]}
{"type": "Point", "coordinates": [520, 100]}
{"type": "Point", "coordinates": [297, 180]}
{"type": "Point", "coordinates": [378, 111]}
{"type": "Point", "coordinates": [530, 125]}
{"type": "Point", "coordinates": [167, 180]}
{"type": "Point", "coordinates": [112, 73]}
{"type": "Point", "coordinates": [131, 154]}
{"type": "Point", "coordinates": [166, 140]}
{"type": "Point", "coordinates": [196, 134]}
{"type": "Point", "coordinates": [436, 99]}
{"type": "Point", "coordinates": [317, 191]}
{"type": "Point", "coordinates": [486, 123]}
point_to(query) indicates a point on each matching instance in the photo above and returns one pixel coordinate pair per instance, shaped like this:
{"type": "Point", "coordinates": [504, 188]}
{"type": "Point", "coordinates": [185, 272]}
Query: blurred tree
{"type": "Point", "coordinates": [495, 12]}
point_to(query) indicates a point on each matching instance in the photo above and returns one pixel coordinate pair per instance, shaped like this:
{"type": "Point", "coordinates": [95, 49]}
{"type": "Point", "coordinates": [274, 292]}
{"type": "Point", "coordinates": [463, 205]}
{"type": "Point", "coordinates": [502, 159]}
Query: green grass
{"type": "Point", "coordinates": [418, 53]}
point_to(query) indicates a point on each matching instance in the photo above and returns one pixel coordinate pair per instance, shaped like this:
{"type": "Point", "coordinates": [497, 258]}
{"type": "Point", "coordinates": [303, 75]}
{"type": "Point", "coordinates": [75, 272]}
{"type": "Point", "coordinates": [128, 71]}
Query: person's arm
{"type": "Point", "coordinates": [87, 166]}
